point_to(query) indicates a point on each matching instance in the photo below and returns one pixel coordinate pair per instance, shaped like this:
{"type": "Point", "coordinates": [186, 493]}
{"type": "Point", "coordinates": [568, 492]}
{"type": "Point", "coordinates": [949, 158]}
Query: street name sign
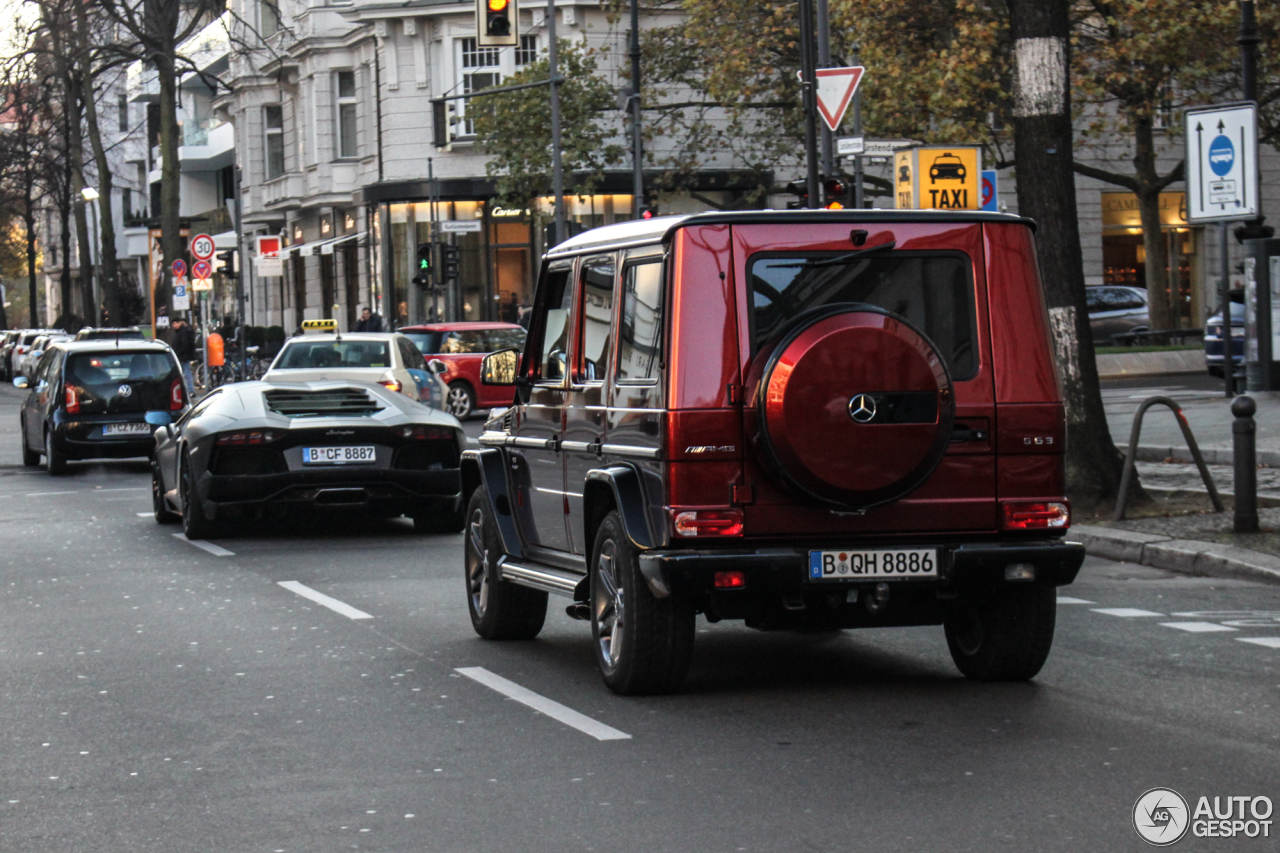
{"type": "Point", "coordinates": [202, 247]}
{"type": "Point", "coordinates": [460, 226]}
{"type": "Point", "coordinates": [1222, 163]}
{"type": "Point", "coordinates": [851, 145]}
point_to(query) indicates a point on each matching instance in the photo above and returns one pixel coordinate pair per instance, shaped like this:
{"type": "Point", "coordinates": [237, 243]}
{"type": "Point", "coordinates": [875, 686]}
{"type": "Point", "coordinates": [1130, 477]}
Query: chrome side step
{"type": "Point", "coordinates": [540, 577]}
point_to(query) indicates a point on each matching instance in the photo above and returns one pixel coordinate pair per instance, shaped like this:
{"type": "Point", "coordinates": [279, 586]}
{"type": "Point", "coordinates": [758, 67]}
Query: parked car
{"type": "Point", "coordinates": [89, 400]}
{"type": "Point", "coordinates": [7, 343]}
{"type": "Point", "coordinates": [130, 333]}
{"type": "Point", "coordinates": [805, 420]}
{"type": "Point", "coordinates": [22, 346]}
{"type": "Point", "coordinates": [1213, 339]}
{"type": "Point", "coordinates": [462, 346]}
{"type": "Point", "coordinates": [389, 359]}
{"type": "Point", "coordinates": [260, 449]}
{"type": "Point", "coordinates": [1115, 309]}
{"type": "Point", "coordinates": [38, 346]}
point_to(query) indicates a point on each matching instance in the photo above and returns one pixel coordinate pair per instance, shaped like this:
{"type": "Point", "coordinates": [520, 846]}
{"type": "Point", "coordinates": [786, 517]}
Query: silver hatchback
{"type": "Point", "coordinates": [1116, 309]}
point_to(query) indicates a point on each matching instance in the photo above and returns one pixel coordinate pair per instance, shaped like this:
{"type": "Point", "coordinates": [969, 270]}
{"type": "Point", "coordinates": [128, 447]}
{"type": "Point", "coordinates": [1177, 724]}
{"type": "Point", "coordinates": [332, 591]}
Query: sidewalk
{"type": "Point", "coordinates": [1199, 544]}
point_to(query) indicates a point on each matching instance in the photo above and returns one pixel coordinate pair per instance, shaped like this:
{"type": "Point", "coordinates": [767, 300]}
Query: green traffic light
{"type": "Point", "coordinates": [424, 264]}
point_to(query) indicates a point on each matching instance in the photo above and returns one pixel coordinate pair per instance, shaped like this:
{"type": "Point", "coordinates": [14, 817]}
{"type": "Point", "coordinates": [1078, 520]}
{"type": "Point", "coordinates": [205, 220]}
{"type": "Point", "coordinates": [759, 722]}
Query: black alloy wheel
{"type": "Point", "coordinates": [194, 523]}
{"type": "Point", "coordinates": [643, 644]}
{"type": "Point", "coordinates": [163, 514]}
{"type": "Point", "coordinates": [1004, 636]}
{"type": "Point", "coordinates": [499, 610]}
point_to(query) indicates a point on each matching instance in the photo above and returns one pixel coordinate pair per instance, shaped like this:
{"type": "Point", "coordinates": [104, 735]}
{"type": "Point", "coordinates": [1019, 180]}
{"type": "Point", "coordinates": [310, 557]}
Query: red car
{"type": "Point", "coordinates": [462, 346]}
{"type": "Point", "coordinates": [806, 420]}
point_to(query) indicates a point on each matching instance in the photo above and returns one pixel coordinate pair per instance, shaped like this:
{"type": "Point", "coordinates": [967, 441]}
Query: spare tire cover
{"type": "Point", "coordinates": [855, 405]}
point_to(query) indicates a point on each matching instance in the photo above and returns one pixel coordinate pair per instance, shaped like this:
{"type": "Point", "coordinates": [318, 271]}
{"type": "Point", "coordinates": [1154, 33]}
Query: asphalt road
{"type": "Point", "coordinates": [159, 697]}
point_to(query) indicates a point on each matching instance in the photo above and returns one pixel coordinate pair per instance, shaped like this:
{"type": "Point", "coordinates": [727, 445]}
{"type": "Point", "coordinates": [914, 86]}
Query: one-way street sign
{"type": "Point", "coordinates": [1222, 163]}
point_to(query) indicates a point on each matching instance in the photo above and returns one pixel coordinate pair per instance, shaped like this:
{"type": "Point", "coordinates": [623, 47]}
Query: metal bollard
{"type": "Point", "coordinates": [1244, 451]}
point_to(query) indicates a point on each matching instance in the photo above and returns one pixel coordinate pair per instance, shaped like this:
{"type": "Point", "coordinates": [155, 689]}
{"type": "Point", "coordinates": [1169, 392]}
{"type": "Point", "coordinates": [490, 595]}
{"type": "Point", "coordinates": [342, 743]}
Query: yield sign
{"type": "Point", "coordinates": [835, 90]}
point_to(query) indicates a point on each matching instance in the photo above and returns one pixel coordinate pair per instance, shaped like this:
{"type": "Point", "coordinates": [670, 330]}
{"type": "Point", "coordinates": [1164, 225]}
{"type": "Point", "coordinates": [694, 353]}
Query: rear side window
{"type": "Point", "coordinates": [412, 357]}
{"type": "Point", "coordinates": [456, 343]}
{"type": "Point", "coordinates": [313, 354]}
{"type": "Point", "coordinates": [932, 290]}
{"type": "Point", "coordinates": [554, 331]}
{"type": "Point", "coordinates": [640, 328]}
{"type": "Point", "coordinates": [597, 317]}
{"type": "Point", "coordinates": [497, 339]}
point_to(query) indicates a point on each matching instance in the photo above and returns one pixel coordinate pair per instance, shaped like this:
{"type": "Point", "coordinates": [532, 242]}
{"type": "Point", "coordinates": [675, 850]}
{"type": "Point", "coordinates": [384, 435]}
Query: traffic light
{"type": "Point", "coordinates": [801, 189]}
{"type": "Point", "coordinates": [496, 23]}
{"type": "Point", "coordinates": [226, 263]}
{"type": "Point", "coordinates": [450, 263]}
{"type": "Point", "coordinates": [424, 272]}
{"type": "Point", "coordinates": [444, 121]}
{"type": "Point", "coordinates": [835, 191]}
{"type": "Point", "coordinates": [648, 212]}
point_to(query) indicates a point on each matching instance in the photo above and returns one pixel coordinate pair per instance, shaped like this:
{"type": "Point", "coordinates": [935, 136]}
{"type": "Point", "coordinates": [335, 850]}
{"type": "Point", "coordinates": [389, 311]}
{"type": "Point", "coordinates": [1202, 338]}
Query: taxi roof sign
{"type": "Point", "coordinates": [320, 325]}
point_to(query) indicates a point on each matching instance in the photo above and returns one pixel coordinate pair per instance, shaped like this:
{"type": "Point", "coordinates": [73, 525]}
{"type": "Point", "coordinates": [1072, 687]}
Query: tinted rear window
{"type": "Point", "coordinates": [301, 356]}
{"type": "Point", "coordinates": [933, 291]}
{"type": "Point", "coordinates": [122, 381]}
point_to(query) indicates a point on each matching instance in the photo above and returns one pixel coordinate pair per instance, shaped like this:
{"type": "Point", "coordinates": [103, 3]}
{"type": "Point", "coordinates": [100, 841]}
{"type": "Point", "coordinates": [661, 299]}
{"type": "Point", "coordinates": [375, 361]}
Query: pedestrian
{"type": "Point", "coordinates": [184, 347]}
{"type": "Point", "coordinates": [369, 321]}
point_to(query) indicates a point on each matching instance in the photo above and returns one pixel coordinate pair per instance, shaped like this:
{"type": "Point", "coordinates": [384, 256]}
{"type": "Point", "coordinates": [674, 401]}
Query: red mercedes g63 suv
{"type": "Point", "coordinates": [808, 420]}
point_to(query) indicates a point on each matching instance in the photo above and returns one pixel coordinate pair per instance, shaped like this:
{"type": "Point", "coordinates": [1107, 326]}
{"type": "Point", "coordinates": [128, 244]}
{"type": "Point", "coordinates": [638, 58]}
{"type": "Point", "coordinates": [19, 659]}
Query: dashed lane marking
{"type": "Point", "coordinates": [46, 494]}
{"type": "Point", "coordinates": [1197, 627]}
{"type": "Point", "coordinates": [325, 601]}
{"type": "Point", "coordinates": [543, 705]}
{"type": "Point", "coordinates": [1066, 599]}
{"type": "Point", "coordinates": [1125, 612]}
{"type": "Point", "coordinates": [1269, 642]}
{"type": "Point", "coordinates": [215, 550]}
{"type": "Point", "coordinates": [145, 514]}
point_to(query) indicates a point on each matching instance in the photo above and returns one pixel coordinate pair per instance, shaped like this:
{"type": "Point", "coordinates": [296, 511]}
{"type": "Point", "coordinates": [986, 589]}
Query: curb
{"type": "Point", "coordinates": [1212, 455]}
{"type": "Point", "coordinates": [1185, 556]}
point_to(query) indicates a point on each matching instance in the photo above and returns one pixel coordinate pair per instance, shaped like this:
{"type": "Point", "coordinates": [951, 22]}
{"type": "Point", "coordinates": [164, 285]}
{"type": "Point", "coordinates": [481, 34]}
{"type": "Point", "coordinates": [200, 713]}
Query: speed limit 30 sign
{"type": "Point", "coordinates": [202, 247]}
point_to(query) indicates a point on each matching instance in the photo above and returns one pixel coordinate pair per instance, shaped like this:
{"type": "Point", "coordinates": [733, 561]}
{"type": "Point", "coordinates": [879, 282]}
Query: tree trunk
{"type": "Point", "coordinates": [64, 220]}
{"type": "Point", "coordinates": [170, 222]}
{"type": "Point", "coordinates": [1047, 194]}
{"type": "Point", "coordinates": [1160, 298]}
{"type": "Point", "coordinates": [109, 267]}
{"type": "Point", "coordinates": [29, 219]}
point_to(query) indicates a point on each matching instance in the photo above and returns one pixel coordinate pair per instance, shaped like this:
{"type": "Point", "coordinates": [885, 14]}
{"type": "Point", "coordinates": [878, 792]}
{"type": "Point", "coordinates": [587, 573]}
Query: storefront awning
{"type": "Point", "coordinates": [226, 240]}
{"type": "Point", "coordinates": [326, 247]}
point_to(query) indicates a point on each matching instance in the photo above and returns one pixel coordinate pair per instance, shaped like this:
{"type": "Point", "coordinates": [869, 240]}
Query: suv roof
{"type": "Point", "coordinates": [659, 229]}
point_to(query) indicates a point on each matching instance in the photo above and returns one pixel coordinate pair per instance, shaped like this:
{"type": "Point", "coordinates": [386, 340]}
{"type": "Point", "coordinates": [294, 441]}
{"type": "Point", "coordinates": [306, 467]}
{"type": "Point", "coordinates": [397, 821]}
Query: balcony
{"type": "Point", "coordinates": [208, 149]}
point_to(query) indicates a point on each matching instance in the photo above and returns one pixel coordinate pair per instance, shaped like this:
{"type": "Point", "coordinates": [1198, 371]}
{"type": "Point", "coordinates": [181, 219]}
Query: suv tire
{"type": "Point", "coordinates": [643, 644]}
{"type": "Point", "coordinates": [499, 610]}
{"type": "Point", "coordinates": [163, 514]}
{"type": "Point", "coordinates": [461, 401]}
{"type": "Point", "coordinates": [30, 458]}
{"type": "Point", "coordinates": [194, 523]}
{"type": "Point", "coordinates": [54, 462]}
{"type": "Point", "coordinates": [1005, 637]}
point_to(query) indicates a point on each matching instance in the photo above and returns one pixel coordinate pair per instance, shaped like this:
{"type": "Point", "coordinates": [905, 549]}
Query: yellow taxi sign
{"type": "Point", "coordinates": [938, 177]}
{"type": "Point", "coordinates": [320, 325]}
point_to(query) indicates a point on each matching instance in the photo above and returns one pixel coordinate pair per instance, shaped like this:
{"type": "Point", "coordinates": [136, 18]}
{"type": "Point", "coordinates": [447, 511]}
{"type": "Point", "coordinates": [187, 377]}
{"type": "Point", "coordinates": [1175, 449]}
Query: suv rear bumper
{"type": "Point", "coordinates": [785, 569]}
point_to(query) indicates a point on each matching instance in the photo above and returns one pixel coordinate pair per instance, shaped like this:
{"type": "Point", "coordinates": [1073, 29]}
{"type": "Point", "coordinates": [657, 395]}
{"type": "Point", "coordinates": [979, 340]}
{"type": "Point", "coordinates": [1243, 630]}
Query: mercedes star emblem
{"type": "Point", "coordinates": [862, 408]}
{"type": "Point", "coordinates": [125, 390]}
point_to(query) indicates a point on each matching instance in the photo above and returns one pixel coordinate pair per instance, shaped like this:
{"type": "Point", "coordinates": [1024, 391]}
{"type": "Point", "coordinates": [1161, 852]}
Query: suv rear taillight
{"type": "Point", "coordinates": [249, 437]}
{"type": "Point", "coordinates": [707, 522]}
{"type": "Point", "coordinates": [1028, 515]}
{"type": "Point", "coordinates": [176, 393]}
{"type": "Point", "coordinates": [73, 401]}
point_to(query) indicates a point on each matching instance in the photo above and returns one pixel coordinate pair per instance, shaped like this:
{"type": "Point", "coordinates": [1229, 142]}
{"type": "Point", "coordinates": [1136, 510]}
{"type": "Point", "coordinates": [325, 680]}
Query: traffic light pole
{"type": "Point", "coordinates": [809, 98]}
{"type": "Point", "coordinates": [824, 61]}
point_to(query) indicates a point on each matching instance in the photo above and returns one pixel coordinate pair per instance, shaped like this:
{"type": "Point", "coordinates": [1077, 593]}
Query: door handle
{"type": "Point", "coordinates": [958, 435]}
